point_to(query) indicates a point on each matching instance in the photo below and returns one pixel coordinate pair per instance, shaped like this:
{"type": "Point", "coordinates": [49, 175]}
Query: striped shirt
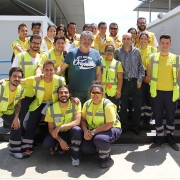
{"type": "Point", "coordinates": [131, 63]}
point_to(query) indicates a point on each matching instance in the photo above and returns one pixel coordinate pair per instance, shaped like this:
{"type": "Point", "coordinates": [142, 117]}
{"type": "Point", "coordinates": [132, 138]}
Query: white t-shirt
{"type": "Point", "coordinates": [17, 64]}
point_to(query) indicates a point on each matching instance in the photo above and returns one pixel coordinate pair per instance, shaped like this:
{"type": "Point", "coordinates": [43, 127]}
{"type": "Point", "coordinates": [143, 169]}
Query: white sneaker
{"type": "Point", "coordinates": [16, 155]}
{"type": "Point", "coordinates": [75, 162]}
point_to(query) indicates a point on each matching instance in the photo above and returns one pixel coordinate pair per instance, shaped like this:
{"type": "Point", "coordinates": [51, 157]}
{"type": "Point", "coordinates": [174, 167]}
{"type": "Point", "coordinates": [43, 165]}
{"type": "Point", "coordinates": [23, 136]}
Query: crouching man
{"type": "Point", "coordinates": [11, 93]}
{"type": "Point", "coordinates": [63, 119]}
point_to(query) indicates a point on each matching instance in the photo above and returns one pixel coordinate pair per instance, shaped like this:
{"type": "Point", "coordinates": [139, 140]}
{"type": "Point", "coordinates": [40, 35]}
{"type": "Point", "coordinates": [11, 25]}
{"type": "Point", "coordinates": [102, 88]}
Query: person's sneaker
{"type": "Point", "coordinates": [155, 144]}
{"type": "Point", "coordinates": [75, 162]}
{"type": "Point", "coordinates": [104, 163]}
{"type": "Point", "coordinates": [16, 155]}
{"type": "Point", "coordinates": [27, 153]}
{"type": "Point", "coordinates": [174, 146]}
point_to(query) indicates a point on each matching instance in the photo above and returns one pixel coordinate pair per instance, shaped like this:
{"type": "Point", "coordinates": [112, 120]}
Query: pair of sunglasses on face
{"type": "Point", "coordinates": [109, 50]}
{"type": "Point", "coordinates": [95, 93]}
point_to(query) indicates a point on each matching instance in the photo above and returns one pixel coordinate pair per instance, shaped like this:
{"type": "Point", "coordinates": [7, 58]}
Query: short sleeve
{"type": "Point", "coordinates": [110, 114]}
{"type": "Point", "coordinates": [68, 58]}
{"type": "Point", "coordinates": [78, 108]}
{"type": "Point", "coordinates": [48, 118]}
{"type": "Point", "coordinates": [29, 81]}
{"type": "Point", "coordinates": [120, 68]}
{"type": "Point", "coordinates": [83, 114]}
{"type": "Point", "coordinates": [44, 57]}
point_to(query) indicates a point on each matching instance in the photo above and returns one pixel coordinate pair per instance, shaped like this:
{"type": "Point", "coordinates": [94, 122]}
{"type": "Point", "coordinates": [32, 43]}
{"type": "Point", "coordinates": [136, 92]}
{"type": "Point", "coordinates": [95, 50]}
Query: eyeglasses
{"type": "Point", "coordinates": [61, 30]}
{"type": "Point", "coordinates": [109, 50]}
{"type": "Point", "coordinates": [114, 29]}
{"type": "Point", "coordinates": [97, 93]}
{"type": "Point", "coordinates": [141, 23]}
{"type": "Point", "coordinates": [36, 43]}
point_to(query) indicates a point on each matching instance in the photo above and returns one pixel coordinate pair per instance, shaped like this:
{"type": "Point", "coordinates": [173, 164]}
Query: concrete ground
{"type": "Point", "coordinates": [130, 161]}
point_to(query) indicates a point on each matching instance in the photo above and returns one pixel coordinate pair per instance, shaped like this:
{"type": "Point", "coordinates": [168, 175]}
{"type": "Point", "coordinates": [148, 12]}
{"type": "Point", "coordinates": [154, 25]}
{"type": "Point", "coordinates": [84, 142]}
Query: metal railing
{"type": "Point", "coordinates": [4, 61]}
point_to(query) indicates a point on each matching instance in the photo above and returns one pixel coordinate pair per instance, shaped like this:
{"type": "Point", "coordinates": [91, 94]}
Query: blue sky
{"type": "Point", "coordinates": [119, 11]}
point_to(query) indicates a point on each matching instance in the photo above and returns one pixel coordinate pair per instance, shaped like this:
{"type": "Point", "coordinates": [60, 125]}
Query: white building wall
{"type": "Point", "coordinates": [169, 24]}
{"type": "Point", "coordinates": [9, 31]}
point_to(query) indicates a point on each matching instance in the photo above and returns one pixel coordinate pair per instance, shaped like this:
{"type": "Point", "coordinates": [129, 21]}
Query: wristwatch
{"type": "Point", "coordinates": [92, 132]}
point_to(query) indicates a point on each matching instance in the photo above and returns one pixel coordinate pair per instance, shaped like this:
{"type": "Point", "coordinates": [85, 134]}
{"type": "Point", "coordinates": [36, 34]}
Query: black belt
{"type": "Point", "coordinates": [131, 79]}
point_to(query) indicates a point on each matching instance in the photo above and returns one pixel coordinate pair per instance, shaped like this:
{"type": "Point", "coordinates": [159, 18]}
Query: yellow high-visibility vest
{"type": "Point", "coordinates": [99, 117]}
{"type": "Point", "coordinates": [38, 88]}
{"type": "Point", "coordinates": [57, 116]}
{"type": "Point", "coordinates": [4, 99]}
{"type": "Point", "coordinates": [110, 77]}
{"type": "Point", "coordinates": [27, 66]}
{"type": "Point", "coordinates": [154, 75]}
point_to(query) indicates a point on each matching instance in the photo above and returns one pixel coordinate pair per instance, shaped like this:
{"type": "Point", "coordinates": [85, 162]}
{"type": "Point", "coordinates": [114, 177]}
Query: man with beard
{"type": "Point", "coordinates": [113, 30]}
{"type": "Point", "coordinates": [63, 119]}
{"type": "Point", "coordinates": [11, 94]}
{"type": "Point", "coordinates": [84, 65]}
{"type": "Point", "coordinates": [28, 62]}
{"type": "Point", "coordinates": [141, 24]}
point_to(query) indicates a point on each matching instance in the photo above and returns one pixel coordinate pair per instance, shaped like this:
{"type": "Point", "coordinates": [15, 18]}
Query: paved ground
{"type": "Point", "coordinates": [132, 161]}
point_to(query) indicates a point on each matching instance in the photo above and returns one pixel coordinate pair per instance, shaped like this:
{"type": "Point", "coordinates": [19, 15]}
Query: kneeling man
{"type": "Point", "coordinates": [63, 119]}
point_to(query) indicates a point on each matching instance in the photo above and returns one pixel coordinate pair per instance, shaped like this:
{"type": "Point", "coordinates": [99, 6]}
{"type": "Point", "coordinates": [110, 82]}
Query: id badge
{"type": "Point", "coordinates": [108, 86]}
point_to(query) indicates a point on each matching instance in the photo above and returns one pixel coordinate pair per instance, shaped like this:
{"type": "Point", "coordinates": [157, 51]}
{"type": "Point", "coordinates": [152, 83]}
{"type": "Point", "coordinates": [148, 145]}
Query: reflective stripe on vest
{"type": "Point", "coordinates": [52, 56]}
{"type": "Point", "coordinates": [4, 98]}
{"type": "Point", "coordinates": [24, 63]}
{"type": "Point", "coordinates": [110, 77]}
{"type": "Point", "coordinates": [154, 74]}
{"type": "Point", "coordinates": [39, 91]}
{"type": "Point", "coordinates": [99, 116]}
{"type": "Point", "coordinates": [57, 116]}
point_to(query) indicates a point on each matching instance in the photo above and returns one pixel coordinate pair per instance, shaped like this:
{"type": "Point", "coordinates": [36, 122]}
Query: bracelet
{"type": "Point", "coordinates": [118, 91]}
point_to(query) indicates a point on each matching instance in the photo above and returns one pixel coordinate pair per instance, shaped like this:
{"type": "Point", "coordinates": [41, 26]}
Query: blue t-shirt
{"type": "Point", "coordinates": [82, 68]}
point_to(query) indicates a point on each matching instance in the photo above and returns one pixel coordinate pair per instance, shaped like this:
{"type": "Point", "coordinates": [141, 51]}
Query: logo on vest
{"type": "Point", "coordinates": [57, 119]}
{"type": "Point", "coordinates": [83, 62]}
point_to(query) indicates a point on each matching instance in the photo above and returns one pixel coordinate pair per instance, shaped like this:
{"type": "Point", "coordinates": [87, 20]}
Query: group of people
{"type": "Point", "coordinates": [101, 72]}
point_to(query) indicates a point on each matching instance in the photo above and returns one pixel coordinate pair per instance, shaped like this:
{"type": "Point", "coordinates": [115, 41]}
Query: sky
{"type": "Point", "coordinates": [119, 11]}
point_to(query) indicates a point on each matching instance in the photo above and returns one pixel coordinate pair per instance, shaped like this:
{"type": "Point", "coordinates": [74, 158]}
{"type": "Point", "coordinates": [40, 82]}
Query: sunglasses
{"type": "Point", "coordinates": [97, 93]}
{"type": "Point", "coordinates": [61, 30]}
{"type": "Point", "coordinates": [114, 29]}
{"type": "Point", "coordinates": [109, 50]}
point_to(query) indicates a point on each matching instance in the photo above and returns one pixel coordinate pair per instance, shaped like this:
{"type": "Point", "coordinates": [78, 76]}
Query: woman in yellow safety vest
{"type": "Point", "coordinates": [112, 75]}
{"type": "Point", "coordinates": [100, 125]}
{"type": "Point", "coordinates": [146, 51]}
